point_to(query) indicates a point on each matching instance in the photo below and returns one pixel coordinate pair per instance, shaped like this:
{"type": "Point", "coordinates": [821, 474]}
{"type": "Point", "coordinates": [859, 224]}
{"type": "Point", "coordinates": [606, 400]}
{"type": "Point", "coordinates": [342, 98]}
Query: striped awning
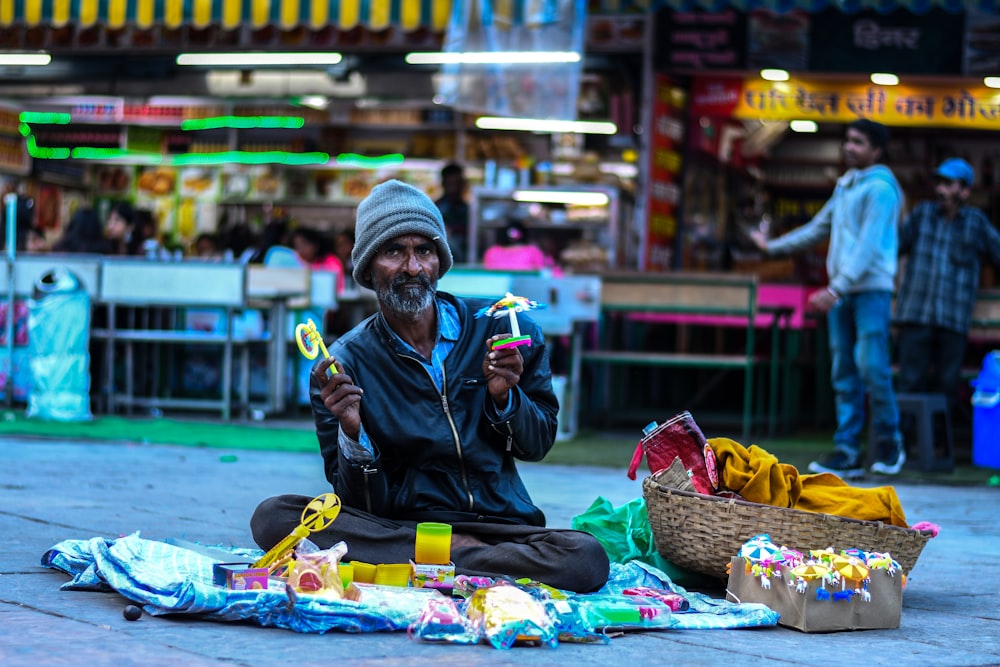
{"type": "Point", "coordinates": [374, 15]}
{"type": "Point", "coordinates": [846, 6]}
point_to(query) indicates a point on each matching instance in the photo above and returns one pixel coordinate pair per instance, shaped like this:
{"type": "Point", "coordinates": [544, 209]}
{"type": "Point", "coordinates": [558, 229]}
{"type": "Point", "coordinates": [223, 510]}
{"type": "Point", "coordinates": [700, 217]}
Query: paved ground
{"type": "Point", "coordinates": [55, 490]}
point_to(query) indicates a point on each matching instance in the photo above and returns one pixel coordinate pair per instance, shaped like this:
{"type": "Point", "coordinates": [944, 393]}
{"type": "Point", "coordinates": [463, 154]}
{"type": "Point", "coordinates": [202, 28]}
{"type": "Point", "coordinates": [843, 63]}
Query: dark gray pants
{"type": "Point", "coordinates": [567, 559]}
{"type": "Point", "coordinates": [930, 360]}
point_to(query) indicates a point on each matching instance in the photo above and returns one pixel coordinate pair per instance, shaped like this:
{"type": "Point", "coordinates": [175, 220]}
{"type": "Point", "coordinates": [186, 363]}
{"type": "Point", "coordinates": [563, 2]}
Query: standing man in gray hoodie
{"type": "Point", "coordinates": [861, 220]}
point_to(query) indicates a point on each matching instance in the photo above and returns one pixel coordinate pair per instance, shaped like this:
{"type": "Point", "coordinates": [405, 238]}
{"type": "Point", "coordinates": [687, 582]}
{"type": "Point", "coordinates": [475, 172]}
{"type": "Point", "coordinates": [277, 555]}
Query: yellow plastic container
{"type": "Point", "coordinates": [433, 543]}
{"type": "Point", "coordinates": [346, 573]}
{"type": "Point", "coordinates": [364, 573]}
{"type": "Point", "coordinates": [392, 574]}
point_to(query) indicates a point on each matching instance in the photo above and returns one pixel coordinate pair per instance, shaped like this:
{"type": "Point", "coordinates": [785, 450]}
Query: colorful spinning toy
{"type": "Point", "coordinates": [310, 342]}
{"type": "Point", "coordinates": [510, 306]}
{"type": "Point", "coordinates": [317, 515]}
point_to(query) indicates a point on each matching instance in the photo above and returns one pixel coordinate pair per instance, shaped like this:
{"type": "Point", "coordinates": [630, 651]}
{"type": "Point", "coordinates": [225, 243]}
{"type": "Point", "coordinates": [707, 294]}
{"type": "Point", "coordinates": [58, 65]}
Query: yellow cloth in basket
{"type": "Point", "coordinates": [759, 477]}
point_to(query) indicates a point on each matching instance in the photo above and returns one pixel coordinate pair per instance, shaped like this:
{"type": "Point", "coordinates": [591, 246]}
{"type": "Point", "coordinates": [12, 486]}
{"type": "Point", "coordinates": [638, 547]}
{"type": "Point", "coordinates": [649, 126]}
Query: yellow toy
{"type": "Point", "coordinates": [317, 515]}
{"type": "Point", "coordinates": [310, 342]}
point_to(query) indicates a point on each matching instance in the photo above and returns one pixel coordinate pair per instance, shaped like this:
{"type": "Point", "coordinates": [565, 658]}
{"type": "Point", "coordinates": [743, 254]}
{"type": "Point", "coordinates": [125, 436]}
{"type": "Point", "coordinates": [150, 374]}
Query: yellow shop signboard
{"type": "Point", "coordinates": [952, 106]}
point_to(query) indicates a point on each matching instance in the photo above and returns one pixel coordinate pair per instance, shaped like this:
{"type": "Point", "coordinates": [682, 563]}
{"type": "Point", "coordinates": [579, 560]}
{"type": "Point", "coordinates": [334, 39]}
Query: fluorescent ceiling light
{"type": "Point", "coordinates": [542, 125]}
{"type": "Point", "coordinates": [577, 197]}
{"type": "Point", "coordinates": [621, 169]}
{"type": "Point", "coordinates": [884, 79]}
{"type": "Point", "coordinates": [492, 57]}
{"type": "Point", "coordinates": [21, 59]}
{"type": "Point", "coordinates": [803, 126]}
{"type": "Point", "coordinates": [992, 81]}
{"type": "Point", "coordinates": [774, 74]}
{"type": "Point", "coordinates": [257, 59]}
{"type": "Point", "coordinates": [315, 101]}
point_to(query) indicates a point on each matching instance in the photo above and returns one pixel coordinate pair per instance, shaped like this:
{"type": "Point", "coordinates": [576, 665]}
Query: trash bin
{"type": "Point", "coordinates": [986, 413]}
{"type": "Point", "coordinates": [58, 342]}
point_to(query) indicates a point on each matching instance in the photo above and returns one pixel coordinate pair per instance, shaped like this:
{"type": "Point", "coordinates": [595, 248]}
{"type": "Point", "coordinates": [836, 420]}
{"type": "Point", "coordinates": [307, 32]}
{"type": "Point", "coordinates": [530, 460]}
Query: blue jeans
{"type": "Point", "coordinates": [859, 352]}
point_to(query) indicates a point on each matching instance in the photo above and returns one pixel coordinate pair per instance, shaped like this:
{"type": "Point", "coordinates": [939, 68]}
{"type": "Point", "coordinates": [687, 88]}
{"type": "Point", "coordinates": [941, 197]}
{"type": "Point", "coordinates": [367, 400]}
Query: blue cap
{"type": "Point", "coordinates": [957, 169]}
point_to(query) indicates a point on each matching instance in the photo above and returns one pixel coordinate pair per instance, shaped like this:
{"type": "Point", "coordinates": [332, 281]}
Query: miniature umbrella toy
{"type": "Point", "coordinates": [791, 557]}
{"type": "Point", "coordinates": [811, 571]}
{"type": "Point", "coordinates": [510, 306]}
{"type": "Point", "coordinates": [761, 550]}
{"type": "Point", "coordinates": [849, 568]}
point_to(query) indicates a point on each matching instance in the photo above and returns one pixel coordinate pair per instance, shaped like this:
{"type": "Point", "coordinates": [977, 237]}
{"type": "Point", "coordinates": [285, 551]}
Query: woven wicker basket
{"type": "Point", "coordinates": [702, 533]}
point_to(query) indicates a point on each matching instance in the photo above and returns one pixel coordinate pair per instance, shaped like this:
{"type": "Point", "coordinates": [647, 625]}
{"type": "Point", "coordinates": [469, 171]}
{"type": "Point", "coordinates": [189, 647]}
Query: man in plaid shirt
{"type": "Point", "coordinates": [944, 242]}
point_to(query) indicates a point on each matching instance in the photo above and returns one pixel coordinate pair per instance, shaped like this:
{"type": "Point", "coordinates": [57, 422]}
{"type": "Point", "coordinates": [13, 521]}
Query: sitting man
{"type": "Point", "coordinates": [420, 419]}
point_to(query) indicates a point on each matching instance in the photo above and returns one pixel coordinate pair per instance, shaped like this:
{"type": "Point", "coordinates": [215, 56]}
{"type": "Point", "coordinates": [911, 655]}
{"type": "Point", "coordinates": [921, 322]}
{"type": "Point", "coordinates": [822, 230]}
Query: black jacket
{"type": "Point", "coordinates": [440, 457]}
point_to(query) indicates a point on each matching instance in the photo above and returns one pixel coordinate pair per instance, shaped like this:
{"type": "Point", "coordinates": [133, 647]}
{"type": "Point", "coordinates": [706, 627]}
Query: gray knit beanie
{"type": "Point", "coordinates": [394, 209]}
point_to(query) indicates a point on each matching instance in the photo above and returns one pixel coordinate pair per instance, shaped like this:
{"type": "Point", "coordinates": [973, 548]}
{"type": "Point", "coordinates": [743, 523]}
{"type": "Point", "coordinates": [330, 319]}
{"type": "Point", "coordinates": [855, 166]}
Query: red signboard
{"type": "Point", "coordinates": [665, 158]}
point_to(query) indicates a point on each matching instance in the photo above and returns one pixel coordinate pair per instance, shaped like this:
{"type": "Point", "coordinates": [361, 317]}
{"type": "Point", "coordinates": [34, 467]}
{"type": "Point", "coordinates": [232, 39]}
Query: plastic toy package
{"type": "Point", "coordinates": [396, 600]}
{"type": "Point", "coordinates": [316, 571]}
{"type": "Point", "coordinates": [623, 612]}
{"type": "Point", "coordinates": [571, 622]}
{"type": "Point", "coordinates": [675, 601]}
{"type": "Point", "coordinates": [506, 615]}
{"type": "Point", "coordinates": [441, 620]}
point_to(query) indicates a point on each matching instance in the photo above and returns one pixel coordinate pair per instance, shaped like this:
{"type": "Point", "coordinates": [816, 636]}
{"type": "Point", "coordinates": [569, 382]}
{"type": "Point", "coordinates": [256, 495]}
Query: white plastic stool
{"type": "Point", "coordinates": [927, 448]}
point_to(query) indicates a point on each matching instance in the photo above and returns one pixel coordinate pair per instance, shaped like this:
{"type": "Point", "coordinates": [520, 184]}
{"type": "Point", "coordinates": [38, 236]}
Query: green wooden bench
{"type": "Point", "coordinates": [695, 305]}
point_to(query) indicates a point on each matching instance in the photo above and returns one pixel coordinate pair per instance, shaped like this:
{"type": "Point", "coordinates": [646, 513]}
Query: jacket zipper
{"type": "Point", "coordinates": [458, 442]}
{"type": "Point", "coordinates": [510, 436]}
{"type": "Point", "coordinates": [454, 430]}
{"type": "Point", "coordinates": [368, 470]}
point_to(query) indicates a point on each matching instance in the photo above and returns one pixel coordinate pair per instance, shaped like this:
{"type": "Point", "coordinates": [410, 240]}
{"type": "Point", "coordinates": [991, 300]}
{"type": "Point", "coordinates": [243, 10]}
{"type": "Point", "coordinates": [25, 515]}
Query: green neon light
{"type": "Point", "coordinates": [40, 118]}
{"type": "Point", "coordinates": [87, 153]}
{"type": "Point", "coordinates": [244, 122]}
{"type": "Point", "coordinates": [366, 162]}
{"type": "Point", "coordinates": [42, 153]}
{"type": "Point", "coordinates": [226, 157]}
{"type": "Point", "coordinates": [251, 157]}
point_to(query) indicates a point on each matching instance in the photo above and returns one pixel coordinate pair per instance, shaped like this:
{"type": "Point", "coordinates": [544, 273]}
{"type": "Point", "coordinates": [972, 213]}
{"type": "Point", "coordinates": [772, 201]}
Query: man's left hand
{"type": "Point", "coordinates": [821, 301]}
{"type": "Point", "coordinates": [502, 368]}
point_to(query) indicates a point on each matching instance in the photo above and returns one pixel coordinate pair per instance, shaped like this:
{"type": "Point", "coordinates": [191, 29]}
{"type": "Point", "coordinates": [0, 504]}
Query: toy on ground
{"type": "Point", "coordinates": [310, 342]}
{"type": "Point", "coordinates": [317, 572]}
{"type": "Point", "coordinates": [317, 515]}
{"type": "Point", "coordinates": [510, 306]}
{"type": "Point", "coordinates": [442, 621]}
{"type": "Point", "coordinates": [505, 614]}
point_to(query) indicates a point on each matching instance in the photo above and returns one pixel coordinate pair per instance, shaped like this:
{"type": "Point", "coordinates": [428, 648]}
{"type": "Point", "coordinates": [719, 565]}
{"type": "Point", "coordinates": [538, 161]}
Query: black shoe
{"type": "Point", "coordinates": [891, 458]}
{"type": "Point", "coordinates": [840, 464]}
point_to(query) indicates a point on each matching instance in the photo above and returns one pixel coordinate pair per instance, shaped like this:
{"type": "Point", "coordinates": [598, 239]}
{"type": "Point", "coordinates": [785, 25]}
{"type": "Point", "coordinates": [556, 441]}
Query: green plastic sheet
{"type": "Point", "coordinates": [626, 535]}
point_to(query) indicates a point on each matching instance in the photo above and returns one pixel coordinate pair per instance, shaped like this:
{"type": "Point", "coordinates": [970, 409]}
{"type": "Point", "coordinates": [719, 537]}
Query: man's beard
{"type": "Point", "coordinates": [399, 297]}
{"type": "Point", "coordinates": [950, 202]}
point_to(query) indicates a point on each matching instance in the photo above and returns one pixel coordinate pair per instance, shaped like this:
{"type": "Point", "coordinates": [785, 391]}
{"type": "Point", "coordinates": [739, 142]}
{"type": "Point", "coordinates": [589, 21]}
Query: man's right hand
{"type": "Point", "coordinates": [759, 238]}
{"type": "Point", "coordinates": [341, 397]}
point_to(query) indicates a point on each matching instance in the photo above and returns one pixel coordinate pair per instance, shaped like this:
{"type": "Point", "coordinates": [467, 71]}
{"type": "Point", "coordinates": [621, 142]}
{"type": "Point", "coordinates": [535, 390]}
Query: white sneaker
{"type": "Point", "coordinates": [839, 464]}
{"type": "Point", "coordinates": [890, 467]}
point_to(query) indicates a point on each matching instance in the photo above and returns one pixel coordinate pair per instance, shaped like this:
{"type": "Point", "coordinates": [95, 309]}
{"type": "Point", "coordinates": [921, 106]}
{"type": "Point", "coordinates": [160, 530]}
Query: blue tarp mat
{"type": "Point", "coordinates": [168, 579]}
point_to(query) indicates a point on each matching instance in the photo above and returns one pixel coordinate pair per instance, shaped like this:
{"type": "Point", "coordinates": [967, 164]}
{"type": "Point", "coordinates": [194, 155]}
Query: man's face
{"type": "Point", "coordinates": [116, 227]}
{"type": "Point", "coordinates": [951, 194]}
{"type": "Point", "coordinates": [405, 273]}
{"type": "Point", "coordinates": [858, 150]}
{"type": "Point", "coordinates": [453, 186]}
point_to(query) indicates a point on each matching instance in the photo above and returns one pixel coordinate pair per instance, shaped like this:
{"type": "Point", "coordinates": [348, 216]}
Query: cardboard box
{"type": "Point", "coordinates": [239, 576]}
{"type": "Point", "coordinates": [429, 575]}
{"type": "Point", "coordinates": [810, 607]}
